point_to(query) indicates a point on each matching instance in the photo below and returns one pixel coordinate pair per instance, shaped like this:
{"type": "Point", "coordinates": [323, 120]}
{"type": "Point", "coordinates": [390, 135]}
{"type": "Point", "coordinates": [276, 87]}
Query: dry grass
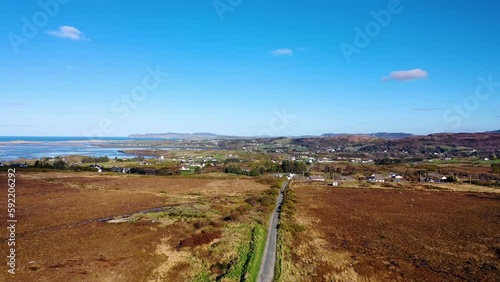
{"type": "Point", "coordinates": [56, 242]}
{"type": "Point", "coordinates": [393, 235]}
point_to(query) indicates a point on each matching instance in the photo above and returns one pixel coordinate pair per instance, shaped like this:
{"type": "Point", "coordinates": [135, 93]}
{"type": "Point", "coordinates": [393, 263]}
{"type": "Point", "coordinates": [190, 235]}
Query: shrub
{"type": "Point", "coordinates": [243, 208]}
{"type": "Point", "coordinates": [216, 224]}
{"type": "Point", "coordinates": [200, 239]}
{"type": "Point", "coordinates": [266, 200]}
{"type": "Point", "coordinates": [255, 172]}
{"type": "Point", "coordinates": [252, 201]}
{"type": "Point", "coordinates": [293, 227]}
{"type": "Point", "coordinates": [495, 168]}
{"type": "Point", "coordinates": [95, 160]}
{"type": "Point", "coordinates": [60, 164]}
{"type": "Point", "coordinates": [200, 224]}
{"type": "Point", "coordinates": [451, 179]}
{"type": "Point", "coordinates": [233, 216]}
{"type": "Point", "coordinates": [231, 160]}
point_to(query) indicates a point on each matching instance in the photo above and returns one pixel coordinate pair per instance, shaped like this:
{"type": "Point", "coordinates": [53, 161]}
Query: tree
{"type": "Point", "coordinates": [60, 164]}
{"type": "Point", "coordinates": [451, 179]}
{"type": "Point", "coordinates": [232, 169]}
{"type": "Point", "coordinates": [255, 172]}
{"type": "Point", "coordinates": [262, 170]}
{"type": "Point", "coordinates": [329, 171]}
{"type": "Point", "coordinates": [293, 166]}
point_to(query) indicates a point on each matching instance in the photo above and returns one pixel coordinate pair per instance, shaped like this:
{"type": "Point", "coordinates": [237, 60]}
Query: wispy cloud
{"type": "Point", "coordinates": [497, 116]}
{"type": "Point", "coordinates": [12, 104]}
{"type": "Point", "coordinates": [406, 75]}
{"type": "Point", "coordinates": [427, 109]}
{"type": "Point", "coordinates": [281, 52]}
{"type": "Point", "coordinates": [19, 125]}
{"type": "Point", "coordinates": [68, 32]}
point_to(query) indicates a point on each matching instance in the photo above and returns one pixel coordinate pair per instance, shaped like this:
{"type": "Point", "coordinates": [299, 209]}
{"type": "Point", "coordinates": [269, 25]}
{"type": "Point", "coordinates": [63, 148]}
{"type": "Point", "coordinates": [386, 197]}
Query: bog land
{"type": "Point", "coordinates": [137, 228]}
{"type": "Point", "coordinates": [403, 234]}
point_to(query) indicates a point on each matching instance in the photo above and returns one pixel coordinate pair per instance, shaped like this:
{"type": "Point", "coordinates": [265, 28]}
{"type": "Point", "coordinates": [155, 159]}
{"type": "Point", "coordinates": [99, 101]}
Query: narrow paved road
{"type": "Point", "coordinates": [266, 272]}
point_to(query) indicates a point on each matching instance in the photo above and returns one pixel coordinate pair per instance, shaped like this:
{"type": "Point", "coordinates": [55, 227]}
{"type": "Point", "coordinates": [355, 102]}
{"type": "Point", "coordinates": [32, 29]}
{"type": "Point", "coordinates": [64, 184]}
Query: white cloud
{"type": "Point", "coordinates": [281, 52]}
{"type": "Point", "coordinates": [406, 75]}
{"type": "Point", "coordinates": [68, 32]}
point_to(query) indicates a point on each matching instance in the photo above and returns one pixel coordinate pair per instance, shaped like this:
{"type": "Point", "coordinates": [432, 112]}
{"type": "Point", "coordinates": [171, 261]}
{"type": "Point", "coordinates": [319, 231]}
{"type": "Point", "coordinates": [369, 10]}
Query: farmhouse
{"type": "Point", "coordinates": [98, 167]}
{"type": "Point", "coordinates": [433, 178]}
{"type": "Point", "coordinates": [316, 178]}
{"type": "Point", "coordinates": [398, 178]}
{"type": "Point", "coordinates": [376, 178]}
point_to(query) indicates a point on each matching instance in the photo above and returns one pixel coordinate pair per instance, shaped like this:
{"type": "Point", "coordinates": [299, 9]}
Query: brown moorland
{"type": "Point", "coordinates": [354, 234]}
{"type": "Point", "coordinates": [59, 237]}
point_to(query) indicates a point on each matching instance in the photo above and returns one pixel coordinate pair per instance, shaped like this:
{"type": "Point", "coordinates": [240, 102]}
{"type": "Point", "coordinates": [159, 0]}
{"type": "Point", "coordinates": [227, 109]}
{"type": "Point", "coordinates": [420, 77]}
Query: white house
{"type": "Point", "coordinates": [316, 178]}
{"type": "Point", "coordinates": [376, 178]}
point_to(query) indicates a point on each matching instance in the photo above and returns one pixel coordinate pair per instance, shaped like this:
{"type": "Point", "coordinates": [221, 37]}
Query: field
{"type": "Point", "coordinates": [202, 230]}
{"type": "Point", "coordinates": [356, 234]}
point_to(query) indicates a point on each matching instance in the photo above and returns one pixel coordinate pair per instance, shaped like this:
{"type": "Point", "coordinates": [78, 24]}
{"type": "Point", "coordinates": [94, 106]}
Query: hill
{"type": "Point", "coordinates": [384, 135]}
{"type": "Point", "coordinates": [184, 136]}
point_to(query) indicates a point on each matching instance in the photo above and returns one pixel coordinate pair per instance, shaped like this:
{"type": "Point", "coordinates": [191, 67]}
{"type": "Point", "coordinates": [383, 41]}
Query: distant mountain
{"type": "Point", "coordinates": [383, 135]}
{"type": "Point", "coordinates": [184, 136]}
{"type": "Point", "coordinates": [349, 136]}
{"type": "Point", "coordinates": [486, 141]}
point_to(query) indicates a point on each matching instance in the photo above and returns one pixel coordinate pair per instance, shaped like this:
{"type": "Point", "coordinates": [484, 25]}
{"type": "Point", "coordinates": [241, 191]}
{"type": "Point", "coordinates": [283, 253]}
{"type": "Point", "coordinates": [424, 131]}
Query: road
{"type": "Point", "coordinates": [266, 272]}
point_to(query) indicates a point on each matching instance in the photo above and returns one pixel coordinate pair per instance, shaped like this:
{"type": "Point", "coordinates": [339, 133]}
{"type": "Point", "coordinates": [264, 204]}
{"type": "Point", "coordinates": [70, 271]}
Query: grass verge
{"type": "Point", "coordinates": [257, 246]}
{"type": "Point", "coordinates": [287, 225]}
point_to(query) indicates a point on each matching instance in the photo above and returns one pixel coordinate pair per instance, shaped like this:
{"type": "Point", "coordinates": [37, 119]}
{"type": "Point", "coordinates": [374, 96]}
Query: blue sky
{"type": "Point", "coordinates": [248, 67]}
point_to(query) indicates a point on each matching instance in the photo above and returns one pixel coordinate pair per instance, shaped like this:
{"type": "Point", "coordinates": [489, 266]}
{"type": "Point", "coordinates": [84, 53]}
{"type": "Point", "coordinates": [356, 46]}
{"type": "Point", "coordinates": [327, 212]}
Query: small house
{"type": "Point", "coordinates": [316, 178]}
{"type": "Point", "coordinates": [398, 178]}
{"type": "Point", "coordinates": [376, 178]}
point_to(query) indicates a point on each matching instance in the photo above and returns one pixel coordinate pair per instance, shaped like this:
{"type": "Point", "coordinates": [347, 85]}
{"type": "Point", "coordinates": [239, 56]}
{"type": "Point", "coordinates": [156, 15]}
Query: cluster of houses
{"type": "Point", "coordinates": [306, 159]}
{"type": "Point", "coordinates": [374, 178]}
{"type": "Point", "coordinates": [120, 169]}
{"type": "Point", "coordinates": [433, 178]}
{"type": "Point", "coordinates": [98, 167]}
{"type": "Point", "coordinates": [113, 169]}
{"type": "Point", "coordinates": [380, 178]}
{"type": "Point", "coordinates": [288, 176]}
{"type": "Point", "coordinates": [14, 165]}
{"type": "Point", "coordinates": [361, 161]}
{"type": "Point", "coordinates": [188, 167]}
